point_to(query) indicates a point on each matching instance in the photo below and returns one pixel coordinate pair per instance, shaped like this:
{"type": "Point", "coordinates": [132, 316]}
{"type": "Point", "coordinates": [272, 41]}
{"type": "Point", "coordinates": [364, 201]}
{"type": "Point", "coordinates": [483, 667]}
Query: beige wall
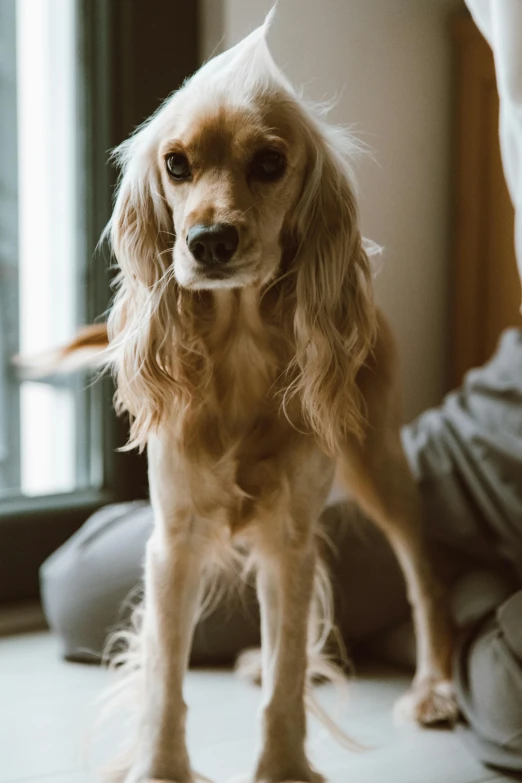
{"type": "Point", "coordinates": [389, 63]}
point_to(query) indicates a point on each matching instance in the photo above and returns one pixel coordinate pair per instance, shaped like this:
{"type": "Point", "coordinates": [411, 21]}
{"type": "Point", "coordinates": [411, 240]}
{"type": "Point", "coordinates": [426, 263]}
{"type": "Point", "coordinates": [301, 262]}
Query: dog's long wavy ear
{"type": "Point", "coordinates": [335, 316]}
{"type": "Point", "coordinates": [140, 223]}
{"type": "Point", "coordinates": [141, 324]}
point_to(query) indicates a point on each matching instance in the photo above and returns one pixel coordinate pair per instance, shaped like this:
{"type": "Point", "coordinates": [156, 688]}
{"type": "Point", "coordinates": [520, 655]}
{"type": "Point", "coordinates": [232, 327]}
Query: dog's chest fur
{"type": "Point", "coordinates": [245, 363]}
{"type": "Point", "coordinates": [243, 412]}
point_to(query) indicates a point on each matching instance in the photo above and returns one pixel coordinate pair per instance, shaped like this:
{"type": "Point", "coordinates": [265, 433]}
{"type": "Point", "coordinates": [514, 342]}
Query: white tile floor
{"type": "Point", "coordinates": [47, 710]}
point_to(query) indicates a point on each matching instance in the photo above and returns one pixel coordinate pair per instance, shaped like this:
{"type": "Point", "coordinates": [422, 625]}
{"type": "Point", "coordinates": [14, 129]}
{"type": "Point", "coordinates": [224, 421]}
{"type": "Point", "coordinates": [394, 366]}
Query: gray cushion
{"type": "Point", "coordinates": [90, 585]}
{"type": "Point", "coordinates": [86, 581]}
{"type": "Point", "coordinates": [465, 456]}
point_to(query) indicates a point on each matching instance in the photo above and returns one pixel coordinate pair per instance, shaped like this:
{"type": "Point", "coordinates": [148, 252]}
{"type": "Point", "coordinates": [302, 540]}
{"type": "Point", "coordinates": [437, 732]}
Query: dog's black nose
{"type": "Point", "coordinates": [214, 244]}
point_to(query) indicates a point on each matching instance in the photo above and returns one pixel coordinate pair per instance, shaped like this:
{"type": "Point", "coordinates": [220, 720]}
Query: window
{"type": "Point", "coordinates": [76, 77]}
{"type": "Point", "coordinates": [45, 426]}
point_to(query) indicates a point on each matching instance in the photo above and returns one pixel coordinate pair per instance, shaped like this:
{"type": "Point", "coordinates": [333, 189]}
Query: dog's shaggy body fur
{"type": "Point", "coordinates": [250, 383]}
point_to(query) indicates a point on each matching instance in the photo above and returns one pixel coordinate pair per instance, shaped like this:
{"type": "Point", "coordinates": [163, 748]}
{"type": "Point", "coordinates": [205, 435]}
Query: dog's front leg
{"type": "Point", "coordinates": [172, 590]}
{"type": "Point", "coordinates": [173, 583]}
{"type": "Point", "coordinates": [285, 586]}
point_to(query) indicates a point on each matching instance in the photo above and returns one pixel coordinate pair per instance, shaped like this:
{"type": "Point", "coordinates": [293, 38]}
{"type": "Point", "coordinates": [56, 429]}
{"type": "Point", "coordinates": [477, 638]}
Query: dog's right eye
{"type": "Point", "coordinates": [268, 165]}
{"type": "Point", "coordinates": [178, 166]}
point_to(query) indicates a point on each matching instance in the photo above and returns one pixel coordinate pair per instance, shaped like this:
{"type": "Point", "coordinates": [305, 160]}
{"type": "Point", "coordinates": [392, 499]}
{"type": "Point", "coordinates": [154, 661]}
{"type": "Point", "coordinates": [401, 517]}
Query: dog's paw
{"type": "Point", "coordinates": [138, 773]}
{"type": "Point", "coordinates": [310, 777]}
{"type": "Point", "coordinates": [134, 777]}
{"type": "Point", "coordinates": [316, 778]}
{"type": "Point", "coordinates": [160, 780]}
{"type": "Point", "coordinates": [429, 703]}
{"type": "Point", "coordinates": [248, 665]}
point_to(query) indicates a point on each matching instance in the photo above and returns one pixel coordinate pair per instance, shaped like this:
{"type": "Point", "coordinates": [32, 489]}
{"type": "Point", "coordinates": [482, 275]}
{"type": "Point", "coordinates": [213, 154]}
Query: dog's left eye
{"type": "Point", "coordinates": [178, 166]}
{"type": "Point", "coordinates": [267, 165]}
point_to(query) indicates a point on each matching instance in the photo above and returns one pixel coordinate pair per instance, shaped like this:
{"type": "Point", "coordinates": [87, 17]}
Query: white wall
{"type": "Point", "coordinates": [389, 62]}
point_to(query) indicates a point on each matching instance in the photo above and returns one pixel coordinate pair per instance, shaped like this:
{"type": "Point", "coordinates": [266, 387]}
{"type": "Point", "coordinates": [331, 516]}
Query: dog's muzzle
{"type": "Point", "coordinates": [213, 245]}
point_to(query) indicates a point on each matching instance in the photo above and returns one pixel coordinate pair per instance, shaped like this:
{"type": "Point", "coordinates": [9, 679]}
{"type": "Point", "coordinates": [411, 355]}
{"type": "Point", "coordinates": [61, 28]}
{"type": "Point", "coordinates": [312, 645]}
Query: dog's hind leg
{"type": "Point", "coordinates": [386, 493]}
{"type": "Point", "coordinates": [377, 474]}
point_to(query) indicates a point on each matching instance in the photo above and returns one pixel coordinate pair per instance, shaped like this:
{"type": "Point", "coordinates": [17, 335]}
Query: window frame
{"type": "Point", "coordinates": [115, 38]}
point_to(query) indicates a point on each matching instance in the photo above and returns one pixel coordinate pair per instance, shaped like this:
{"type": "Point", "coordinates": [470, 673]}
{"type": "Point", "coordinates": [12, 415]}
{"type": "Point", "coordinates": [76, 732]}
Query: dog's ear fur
{"type": "Point", "coordinates": [335, 317]}
{"type": "Point", "coordinates": [141, 227]}
{"type": "Point", "coordinates": [144, 324]}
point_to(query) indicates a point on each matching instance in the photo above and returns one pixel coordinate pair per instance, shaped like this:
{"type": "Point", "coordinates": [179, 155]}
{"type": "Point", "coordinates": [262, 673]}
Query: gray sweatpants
{"type": "Point", "coordinates": [467, 459]}
{"type": "Point", "coordinates": [486, 604]}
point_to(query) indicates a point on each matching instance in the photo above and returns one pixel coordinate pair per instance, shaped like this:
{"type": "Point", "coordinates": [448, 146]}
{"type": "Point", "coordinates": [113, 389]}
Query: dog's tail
{"type": "Point", "coordinates": [89, 349]}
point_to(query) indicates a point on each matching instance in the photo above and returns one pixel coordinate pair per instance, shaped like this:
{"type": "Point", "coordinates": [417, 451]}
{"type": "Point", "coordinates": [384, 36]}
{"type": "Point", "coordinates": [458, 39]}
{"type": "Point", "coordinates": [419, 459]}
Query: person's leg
{"type": "Point", "coordinates": [487, 664]}
{"type": "Point", "coordinates": [488, 677]}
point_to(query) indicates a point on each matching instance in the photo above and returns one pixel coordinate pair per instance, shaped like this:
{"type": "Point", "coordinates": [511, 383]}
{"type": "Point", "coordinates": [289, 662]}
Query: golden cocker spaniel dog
{"type": "Point", "coordinates": [253, 362]}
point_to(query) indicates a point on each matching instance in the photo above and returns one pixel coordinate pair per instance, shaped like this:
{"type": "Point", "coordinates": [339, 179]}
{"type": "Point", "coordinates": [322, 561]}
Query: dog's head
{"type": "Point", "coordinates": [231, 172]}
{"type": "Point", "coordinates": [231, 177]}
